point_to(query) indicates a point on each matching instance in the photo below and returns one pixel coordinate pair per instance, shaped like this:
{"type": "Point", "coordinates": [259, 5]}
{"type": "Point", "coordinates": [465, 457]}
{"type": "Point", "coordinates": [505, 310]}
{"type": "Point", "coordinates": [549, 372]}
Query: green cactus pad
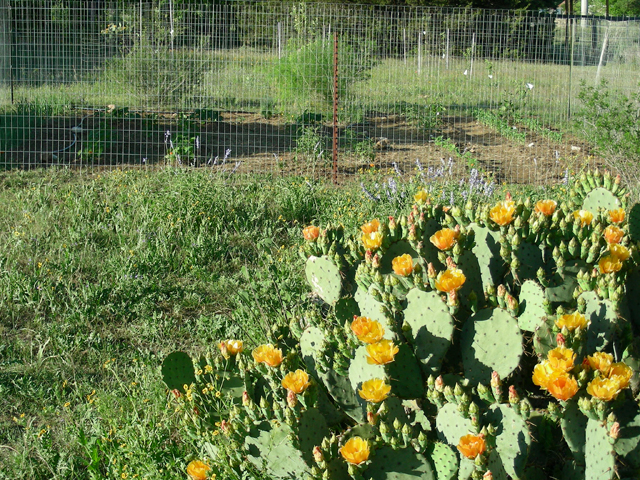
{"type": "Point", "coordinates": [270, 449]}
{"type": "Point", "coordinates": [405, 374]}
{"type": "Point", "coordinates": [532, 312]}
{"type": "Point", "coordinates": [572, 471]}
{"type": "Point", "coordinates": [600, 198]}
{"type": "Point", "coordinates": [431, 328]}
{"type": "Point", "coordinates": [337, 469]}
{"type": "Point", "coordinates": [345, 309]}
{"type": "Point", "coordinates": [628, 443]}
{"type": "Point", "coordinates": [466, 469]}
{"type": "Point", "coordinates": [574, 425]}
{"type": "Point", "coordinates": [324, 277]}
{"type": "Point", "coordinates": [451, 426]}
{"type": "Point", "coordinates": [603, 319]}
{"type": "Point", "coordinates": [343, 394]}
{"type": "Point", "coordinates": [600, 459]}
{"type": "Point", "coordinates": [311, 342]}
{"type": "Point", "coordinates": [491, 340]}
{"type": "Point", "coordinates": [395, 250]}
{"type": "Point", "coordinates": [530, 257]}
{"type": "Point", "coordinates": [543, 338]}
{"type": "Point", "coordinates": [178, 371]}
{"type": "Point", "coordinates": [566, 283]}
{"type": "Point", "coordinates": [634, 223]}
{"type": "Point", "coordinates": [633, 296]}
{"type": "Point", "coordinates": [372, 309]}
{"type": "Point", "coordinates": [429, 250]}
{"type": "Point", "coordinates": [360, 370]}
{"type": "Point", "coordinates": [445, 460]}
{"type": "Point", "coordinates": [416, 415]}
{"type": "Point", "coordinates": [487, 251]}
{"type": "Point", "coordinates": [402, 464]}
{"type": "Point", "coordinates": [535, 473]}
{"type": "Point", "coordinates": [513, 438]}
{"type": "Point", "coordinates": [470, 266]}
{"type": "Point", "coordinates": [496, 466]}
{"type": "Point", "coordinates": [312, 428]}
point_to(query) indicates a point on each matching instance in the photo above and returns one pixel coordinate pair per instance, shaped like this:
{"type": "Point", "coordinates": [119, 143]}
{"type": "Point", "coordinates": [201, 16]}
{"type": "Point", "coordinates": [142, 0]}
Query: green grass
{"type": "Point", "coordinates": [103, 275]}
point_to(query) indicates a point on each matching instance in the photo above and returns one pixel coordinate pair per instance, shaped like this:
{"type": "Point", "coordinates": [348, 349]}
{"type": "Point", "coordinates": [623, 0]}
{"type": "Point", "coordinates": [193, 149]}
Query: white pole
{"type": "Point", "coordinates": [447, 51]}
{"type": "Point", "coordinates": [604, 48]}
{"type": "Point", "coordinates": [404, 40]}
{"type": "Point", "coordinates": [279, 41]}
{"type": "Point", "coordinates": [419, 52]}
{"type": "Point", "coordinates": [473, 52]}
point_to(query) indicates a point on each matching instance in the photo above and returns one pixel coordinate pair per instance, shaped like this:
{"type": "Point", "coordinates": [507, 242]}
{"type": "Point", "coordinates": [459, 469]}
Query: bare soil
{"type": "Point", "coordinates": [269, 146]}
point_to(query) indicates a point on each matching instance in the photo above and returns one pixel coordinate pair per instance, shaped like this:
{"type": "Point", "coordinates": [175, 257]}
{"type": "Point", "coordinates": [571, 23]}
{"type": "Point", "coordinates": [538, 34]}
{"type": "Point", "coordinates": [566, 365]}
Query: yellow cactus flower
{"type": "Point", "coordinates": [622, 372]}
{"type": "Point", "coordinates": [543, 373]}
{"type": "Point", "coordinates": [311, 233]}
{"type": "Point", "coordinates": [617, 215]}
{"type": "Point", "coordinates": [355, 451]}
{"type": "Point", "coordinates": [604, 388]}
{"type": "Point", "coordinates": [601, 361]}
{"type": "Point", "coordinates": [367, 330]}
{"type": "Point", "coordinates": [372, 241]}
{"type": "Point", "coordinates": [472, 445]}
{"type": "Point", "coordinates": [585, 216]}
{"type": "Point", "coordinates": [546, 207]}
{"type": "Point", "coordinates": [562, 386]}
{"type": "Point", "coordinates": [230, 348]}
{"type": "Point", "coordinates": [268, 354]}
{"type": "Point", "coordinates": [197, 470]}
{"type": "Point", "coordinates": [421, 196]}
{"type": "Point", "coordinates": [371, 227]}
{"type": "Point", "coordinates": [444, 239]}
{"type": "Point", "coordinates": [561, 358]}
{"type": "Point", "coordinates": [503, 212]}
{"type": "Point", "coordinates": [381, 353]}
{"type": "Point", "coordinates": [296, 382]}
{"type": "Point", "coordinates": [609, 264]}
{"type": "Point", "coordinates": [620, 252]}
{"type": "Point", "coordinates": [613, 234]}
{"type": "Point", "coordinates": [402, 265]}
{"type": "Point", "coordinates": [374, 390]}
{"type": "Point", "coordinates": [571, 321]}
{"type": "Point", "coordinates": [450, 280]}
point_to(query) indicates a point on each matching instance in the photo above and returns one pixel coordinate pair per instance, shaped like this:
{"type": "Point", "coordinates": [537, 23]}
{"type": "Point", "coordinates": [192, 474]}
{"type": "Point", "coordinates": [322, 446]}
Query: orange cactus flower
{"type": "Point", "coordinates": [561, 358]}
{"type": "Point", "coordinates": [421, 196]}
{"type": "Point", "coordinates": [562, 386]}
{"type": "Point", "coordinates": [355, 451]}
{"type": "Point", "coordinates": [381, 353]}
{"type": "Point", "coordinates": [296, 382]}
{"type": "Point", "coordinates": [609, 264]}
{"type": "Point", "coordinates": [472, 445]}
{"type": "Point", "coordinates": [444, 239]}
{"type": "Point", "coordinates": [620, 252]}
{"type": "Point", "coordinates": [503, 212]}
{"type": "Point", "coordinates": [622, 373]}
{"type": "Point", "coordinates": [374, 390]}
{"type": "Point", "coordinates": [572, 321]}
{"type": "Point", "coordinates": [450, 280]}
{"type": "Point", "coordinates": [268, 354]}
{"type": "Point", "coordinates": [604, 388]}
{"type": "Point", "coordinates": [402, 265]}
{"type": "Point", "coordinates": [311, 233]}
{"type": "Point", "coordinates": [543, 373]}
{"type": "Point", "coordinates": [367, 330]}
{"type": "Point", "coordinates": [613, 234]}
{"type": "Point", "coordinates": [197, 470]}
{"type": "Point", "coordinates": [371, 227]}
{"type": "Point", "coordinates": [617, 215]}
{"type": "Point", "coordinates": [601, 361]}
{"type": "Point", "coordinates": [546, 207]}
{"type": "Point", "coordinates": [585, 216]}
{"type": "Point", "coordinates": [230, 348]}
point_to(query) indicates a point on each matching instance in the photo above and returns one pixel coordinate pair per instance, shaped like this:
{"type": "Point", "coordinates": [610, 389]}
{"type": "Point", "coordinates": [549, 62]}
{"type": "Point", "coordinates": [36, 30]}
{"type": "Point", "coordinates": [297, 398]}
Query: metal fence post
{"type": "Point", "coordinates": [335, 108]}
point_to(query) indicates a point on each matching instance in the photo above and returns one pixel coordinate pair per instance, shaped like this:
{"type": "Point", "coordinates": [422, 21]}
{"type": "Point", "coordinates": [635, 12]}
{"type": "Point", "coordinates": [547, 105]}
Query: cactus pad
{"type": "Point", "coordinates": [371, 308]}
{"type": "Point", "coordinates": [402, 464]}
{"type": "Point", "coordinates": [324, 277]}
{"type": "Point", "coordinates": [395, 250]}
{"type": "Point", "coordinates": [491, 340]}
{"type": "Point", "coordinates": [451, 426]}
{"type": "Point", "coordinates": [470, 265]}
{"type": "Point", "coordinates": [311, 343]}
{"type": "Point", "coordinates": [544, 339]}
{"type": "Point", "coordinates": [628, 443]}
{"type": "Point", "coordinates": [603, 317]}
{"type": "Point", "coordinates": [177, 371]}
{"type": "Point", "coordinates": [403, 371]}
{"type": "Point", "coordinates": [634, 223]}
{"type": "Point", "coordinates": [512, 440]}
{"type": "Point", "coordinates": [496, 467]}
{"type": "Point", "coordinates": [600, 198]}
{"type": "Point", "coordinates": [431, 328]}
{"type": "Point", "coordinates": [312, 428]}
{"type": "Point", "coordinates": [532, 312]}
{"type": "Point", "coordinates": [600, 458]}
{"type": "Point", "coordinates": [487, 251]}
{"type": "Point", "coordinates": [345, 309]}
{"type": "Point", "coordinates": [530, 258]}
{"type": "Point", "coordinates": [361, 371]}
{"type": "Point", "coordinates": [270, 449]}
{"type": "Point", "coordinates": [445, 460]}
{"type": "Point", "coordinates": [574, 425]}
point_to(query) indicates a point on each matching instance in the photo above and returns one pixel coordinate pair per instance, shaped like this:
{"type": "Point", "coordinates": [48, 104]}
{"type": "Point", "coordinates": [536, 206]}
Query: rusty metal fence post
{"type": "Point", "coordinates": [335, 108]}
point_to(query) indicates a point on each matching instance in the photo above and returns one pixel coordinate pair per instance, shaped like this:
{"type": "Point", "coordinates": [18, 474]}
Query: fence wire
{"type": "Point", "coordinates": [248, 87]}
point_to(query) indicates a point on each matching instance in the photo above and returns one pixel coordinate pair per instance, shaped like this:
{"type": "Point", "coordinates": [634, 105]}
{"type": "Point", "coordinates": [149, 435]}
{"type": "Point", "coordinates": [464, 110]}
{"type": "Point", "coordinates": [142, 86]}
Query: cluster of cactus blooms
{"type": "Point", "coordinates": [454, 342]}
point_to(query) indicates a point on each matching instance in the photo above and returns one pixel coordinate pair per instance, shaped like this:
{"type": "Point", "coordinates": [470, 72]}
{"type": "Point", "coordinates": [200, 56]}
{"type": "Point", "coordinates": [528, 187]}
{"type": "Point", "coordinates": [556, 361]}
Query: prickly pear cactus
{"type": "Point", "coordinates": [324, 277]}
{"type": "Point", "coordinates": [599, 454]}
{"type": "Point", "coordinates": [178, 371]}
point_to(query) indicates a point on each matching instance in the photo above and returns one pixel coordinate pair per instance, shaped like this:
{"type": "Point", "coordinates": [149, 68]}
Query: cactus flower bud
{"type": "Point", "coordinates": [246, 399]}
{"type": "Point", "coordinates": [372, 418]}
{"type": "Point", "coordinates": [560, 340]}
{"type": "Point", "coordinates": [496, 386]}
{"type": "Point", "coordinates": [439, 384]}
{"type": "Point", "coordinates": [614, 433]}
{"type": "Point", "coordinates": [292, 399]}
{"type": "Point", "coordinates": [488, 475]}
{"type": "Point", "coordinates": [512, 304]}
{"type": "Point", "coordinates": [318, 456]}
{"type": "Point", "coordinates": [513, 395]}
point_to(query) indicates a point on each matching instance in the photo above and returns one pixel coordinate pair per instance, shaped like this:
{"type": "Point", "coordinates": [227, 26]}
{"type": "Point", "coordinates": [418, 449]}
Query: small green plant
{"type": "Point", "coordinates": [450, 146]}
{"type": "Point", "coordinates": [96, 144]}
{"type": "Point", "coordinates": [311, 145]}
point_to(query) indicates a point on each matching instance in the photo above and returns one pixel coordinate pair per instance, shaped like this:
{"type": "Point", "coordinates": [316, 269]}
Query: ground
{"type": "Point", "coordinates": [269, 145]}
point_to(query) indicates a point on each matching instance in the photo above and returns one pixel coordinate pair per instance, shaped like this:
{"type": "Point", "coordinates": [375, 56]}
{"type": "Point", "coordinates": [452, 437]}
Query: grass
{"type": "Point", "coordinates": [103, 275]}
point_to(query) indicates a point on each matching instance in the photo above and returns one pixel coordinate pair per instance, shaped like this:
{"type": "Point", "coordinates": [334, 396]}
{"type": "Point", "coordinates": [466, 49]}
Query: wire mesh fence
{"type": "Point", "coordinates": [249, 86]}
